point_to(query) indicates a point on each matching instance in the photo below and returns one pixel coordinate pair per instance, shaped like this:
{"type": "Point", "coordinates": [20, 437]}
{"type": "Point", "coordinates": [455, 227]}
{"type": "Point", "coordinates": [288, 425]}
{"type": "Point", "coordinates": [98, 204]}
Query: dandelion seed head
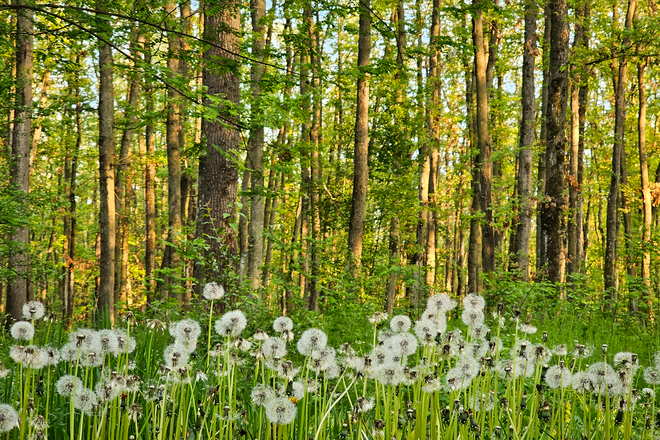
{"type": "Point", "coordinates": [362, 405]}
{"type": "Point", "coordinates": [426, 331]}
{"type": "Point", "coordinates": [69, 352]}
{"type": "Point", "coordinates": [31, 356]}
{"type": "Point", "coordinates": [66, 384]}
{"type": "Point", "coordinates": [385, 334]}
{"type": "Point", "coordinates": [404, 344]}
{"type": "Point", "coordinates": [509, 369]}
{"type": "Point", "coordinates": [91, 358]}
{"type": "Point", "coordinates": [107, 341]}
{"type": "Point", "coordinates": [126, 344]}
{"type": "Point", "coordinates": [582, 382]}
{"type": "Point", "coordinates": [174, 356]}
{"type": "Point", "coordinates": [582, 351]}
{"type": "Point", "coordinates": [474, 302]}
{"type": "Point", "coordinates": [648, 392]}
{"type": "Point", "coordinates": [468, 366]}
{"type": "Point", "coordinates": [560, 350]}
{"type": "Point", "coordinates": [652, 375]}
{"type": "Point", "coordinates": [473, 317]}
{"type": "Point", "coordinates": [39, 423]}
{"type": "Point", "coordinates": [456, 380]}
{"type": "Point", "coordinates": [135, 412]}
{"type": "Point", "coordinates": [625, 357]}
{"type": "Point", "coordinates": [539, 354]}
{"type": "Point", "coordinates": [280, 411]}
{"type": "Point", "coordinates": [33, 310]}
{"type": "Point", "coordinates": [390, 374]}
{"type": "Point", "coordinates": [242, 344]}
{"type": "Point", "coordinates": [85, 400]}
{"type": "Point", "coordinates": [377, 318]}
{"type": "Point", "coordinates": [312, 339]}
{"type": "Point", "coordinates": [260, 335]}
{"type": "Point", "coordinates": [213, 291]}
{"type": "Point", "coordinates": [431, 384]}
{"type": "Point", "coordinates": [477, 349]}
{"type": "Point", "coordinates": [4, 371]}
{"type": "Point", "coordinates": [274, 347]}
{"type": "Point", "coordinates": [8, 418]}
{"type": "Point", "coordinates": [283, 323]}
{"type": "Point", "coordinates": [83, 338]}
{"type": "Point", "coordinates": [156, 324]}
{"type": "Point", "coordinates": [186, 331]}
{"type": "Point", "coordinates": [22, 331]}
{"type": "Point", "coordinates": [527, 328]}
{"type": "Point", "coordinates": [601, 372]}
{"type": "Point", "coordinates": [479, 332]}
{"type": "Point", "coordinates": [400, 323]}
{"type": "Point", "coordinates": [558, 376]}
{"type": "Point", "coordinates": [441, 303]}
{"type": "Point", "coordinates": [231, 324]}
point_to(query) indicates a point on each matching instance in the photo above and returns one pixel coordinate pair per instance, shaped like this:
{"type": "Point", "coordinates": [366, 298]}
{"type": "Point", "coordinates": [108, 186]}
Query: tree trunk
{"type": "Point", "coordinates": [17, 290]}
{"type": "Point", "coordinates": [474, 246]}
{"type": "Point", "coordinates": [552, 210]}
{"type": "Point", "coordinates": [644, 174]}
{"type": "Point", "coordinates": [483, 163]}
{"type": "Point", "coordinates": [524, 227]}
{"type": "Point", "coordinates": [256, 149]}
{"type": "Point", "coordinates": [149, 174]}
{"type": "Point", "coordinates": [609, 270]}
{"type": "Point", "coordinates": [361, 152]}
{"type": "Point", "coordinates": [583, 98]}
{"type": "Point", "coordinates": [172, 138]}
{"type": "Point", "coordinates": [218, 175]}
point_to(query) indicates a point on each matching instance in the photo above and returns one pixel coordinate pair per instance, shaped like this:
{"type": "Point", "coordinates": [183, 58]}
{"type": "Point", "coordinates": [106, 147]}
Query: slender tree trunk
{"type": "Point", "coordinates": [524, 227]}
{"type": "Point", "coordinates": [474, 246]}
{"type": "Point", "coordinates": [38, 129]}
{"type": "Point", "coordinates": [609, 271]}
{"type": "Point", "coordinates": [218, 176]}
{"type": "Point", "coordinates": [107, 153]}
{"type": "Point", "coordinates": [644, 174]}
{"type": "Point", "coordinates": [552, 211]}
{"type": "Point", "coordinates": [256, 149]}
{"type": "Point", "coordinates": [19, 263]}
{"type": "Point", "coordinates": [361, 152]}
{"type": "Point", "coordinates": [122, 180]}
{"type": "Point", "coordinates": [172, 137]}
{"type": "Point", "coordinates": [583, 99]}
{"type": "Point", "coordinates": [149, 174]}
{"type": "Point", "coordinates": [484, 163]}
{"type": "Point", "coordinates": [541, 238]}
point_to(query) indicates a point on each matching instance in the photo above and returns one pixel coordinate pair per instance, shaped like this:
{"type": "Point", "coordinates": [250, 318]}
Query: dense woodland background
{"type": "Point", "coordinates": [306, 153]}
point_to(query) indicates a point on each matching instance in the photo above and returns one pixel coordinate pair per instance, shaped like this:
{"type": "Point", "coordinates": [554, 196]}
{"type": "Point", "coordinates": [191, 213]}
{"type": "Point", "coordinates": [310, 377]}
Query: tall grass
{"type": "Point", "coordinates": [489, 375]}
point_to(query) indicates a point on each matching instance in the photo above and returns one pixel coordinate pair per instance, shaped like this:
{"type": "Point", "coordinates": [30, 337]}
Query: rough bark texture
{"type": "Point", "coordinates": [17, 290]}
{"type": "Point", "coordinates": [553, 207]}
{"type": "Point", "coordinates": [218, 175]}
{"type": "Point", "coordinates": [524, 227]}
{"type": "Point", "coordinates": [609, 269]}
{"type": "Point", "coordinates": [256, 149]}
{"type": "Point", "coordinates": [149, 174]}
{"type": "Point", "coordinates": [484, 163]}
{"type": "Point", "coordinates": [474, 246]}
{"type": "Point", "coordinates": [361, 150]}
{"type": "Point", "coordinates": [107, 152]}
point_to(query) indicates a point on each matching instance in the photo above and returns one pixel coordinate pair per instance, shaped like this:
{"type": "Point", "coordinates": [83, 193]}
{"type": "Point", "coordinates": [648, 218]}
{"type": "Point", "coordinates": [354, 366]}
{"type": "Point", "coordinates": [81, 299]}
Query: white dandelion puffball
{"type": "Point", "coordinates": [474, 302]}
{"type": "Point", "coordinates": [274, 348]}
{"type": "Point", "coordinates": [66, 385]}
{"type": "Point", "coordinates": [107, 341]}
{"type": "Point", "coordinates": [283, 323]}
{"type": "Point", "coordinates": [175, 356]}
{"type": "Point", "coordinates": [440, 303]}
{"type": "Point", "coordinates": [213, 291]}
{"type": "Point", "coordinates": [280, 411]}
{"type": "Point", "coordinates": [261, 394]}
{"type": "Point", "coordinates": [231, 324]}
{"type": "Point", "coordinates": [186, 330]}
{"type": "Point", "coordinates": [652, 375]}
{"type": "Point", "coordinates": [404, 344]}
{"type": "Point", "coordinates": [33, 310]}
{"type": "Point", "coordinates": [312, 339]}
{"type": "Point", "coordinates": [126, 344]}
{"type": "Point", "coordinates": [85, 400]}
{"type": "Point", "coordinates": [8, 418]}
{"type": "Point", "coordinates": [22, 331]}
{"type": "Point", "coordinates": [558, 376]}
{"type": "Point", "coordinates": [473, 317]}
{"type": "Point", "coordinates": [400, 323]}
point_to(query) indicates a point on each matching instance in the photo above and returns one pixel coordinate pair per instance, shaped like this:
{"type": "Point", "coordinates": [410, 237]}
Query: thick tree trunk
{"type": "Point", "coordinates": [256, 149]}
{"type": "Point", "coordinates": [17, 290]}
{"type": "Point", "coordinates": [552, 210]}
{"type": "Point", "coordinates": [609, 270]}
{"type": "Point", "coordinates": [107, 152]}
{"type": "Point", "coordinates": [218, 175]}
{"type": "Point", "coordinates": [524, 227]}
{"type": "Point", "coordinates": [361, 151]}
{"type": "Point", "coordinates": [483, 163]}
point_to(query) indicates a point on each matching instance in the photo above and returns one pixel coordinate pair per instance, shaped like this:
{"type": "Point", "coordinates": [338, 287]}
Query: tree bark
{"type": "Point", "coordinates": [644, 174]}
{"type": "Point", "coordinates": [524, 227]}
{"type": "Point", "coordinates": [483, 162]}
{"type": "Point", "coordinates": [553, 208]}
{"type": "Point", "coordinates": [609, 270]}
{"type": "Point", "coordinates": [19, 263]}
{"type": "Point", "coordinates": [149, 174]}
{"type": "Point", "coordinates": [361, 149]}
{"type": "Point", "coordinates": [218, 175]}
{"type": "Point", "coordinates": [256, 149]}
{"type": "Point", "coordinates": [107, 153]}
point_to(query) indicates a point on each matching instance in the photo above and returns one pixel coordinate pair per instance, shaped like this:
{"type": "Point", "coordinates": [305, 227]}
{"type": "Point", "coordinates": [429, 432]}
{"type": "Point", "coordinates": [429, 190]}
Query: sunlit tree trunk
{"type": "Point", "coordinates": [644, 174]}
{"type": "Point", "coordinates": [107, 153]}
{"type": "Point", "coordinates": [149, 173]}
